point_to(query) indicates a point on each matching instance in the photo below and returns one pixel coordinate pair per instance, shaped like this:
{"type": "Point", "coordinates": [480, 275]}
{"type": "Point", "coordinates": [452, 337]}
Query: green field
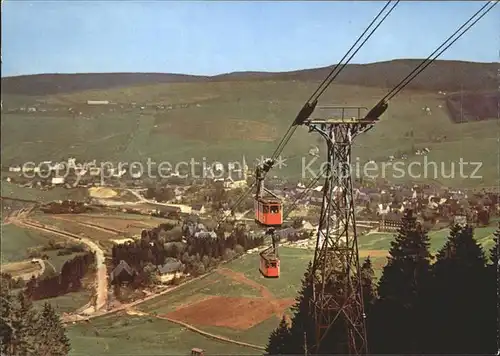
{"type": "Point", "coordinates": [226, 121]}
{"type": "Point", "coordinates": [11, 190]}
{"type": "Point", "coordinates": [66, 303]}
{"type": "Point", "coordinates": [382, 240]}
{"type": "Point", "coordinates": [16, 240]}
{"type": "Point", "coordinates": [293, 264]}
{"type": "Point", "coordinates": [112, 331]}
{"type": "Point", "coordinates": [122, 335]}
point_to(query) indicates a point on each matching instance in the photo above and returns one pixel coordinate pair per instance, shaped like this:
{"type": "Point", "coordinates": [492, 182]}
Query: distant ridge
{"type": "Point", "coordinates": [441, 75]}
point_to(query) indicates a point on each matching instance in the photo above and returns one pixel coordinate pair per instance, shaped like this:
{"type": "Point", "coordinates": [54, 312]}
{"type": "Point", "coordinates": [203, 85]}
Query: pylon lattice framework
{"type": "Point", "coordinates": [337, 291]}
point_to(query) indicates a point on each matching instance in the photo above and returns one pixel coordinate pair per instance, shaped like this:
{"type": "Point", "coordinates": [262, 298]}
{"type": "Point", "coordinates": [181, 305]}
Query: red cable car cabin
{"type": "Point", "coordinates": [269, 265]}
{"type": "Point", "coordinates": [269, 211]}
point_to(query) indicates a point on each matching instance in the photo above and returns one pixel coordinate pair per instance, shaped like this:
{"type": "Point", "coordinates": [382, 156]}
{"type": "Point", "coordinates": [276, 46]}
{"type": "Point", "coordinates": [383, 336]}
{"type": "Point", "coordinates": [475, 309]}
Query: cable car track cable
{"type": "Point", "coordinates": [381, 106]}
{"type": "Point", "coordinates": [362, 43]}
{"type": "Point", "coordinates": [310, 104]}
{"type": "Point", "coordinates": [337, 69]}
{"type": "Point", "coordinates": [433, 56]}
{"type": "Point", "coordinates": [347, 53]}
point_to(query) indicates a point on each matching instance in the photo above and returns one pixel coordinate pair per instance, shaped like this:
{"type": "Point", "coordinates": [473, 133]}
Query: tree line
{"type": "Point", "coordinates": [197, 248]}
{"type": "Point", "coordinates": [69, 280]}
{"type": "Point", "coordinates": [422, 304]}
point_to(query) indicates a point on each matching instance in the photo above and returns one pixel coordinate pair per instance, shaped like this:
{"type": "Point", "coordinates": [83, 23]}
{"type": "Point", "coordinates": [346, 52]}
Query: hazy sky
{"type": "Point", "coordinates": [208, 37]}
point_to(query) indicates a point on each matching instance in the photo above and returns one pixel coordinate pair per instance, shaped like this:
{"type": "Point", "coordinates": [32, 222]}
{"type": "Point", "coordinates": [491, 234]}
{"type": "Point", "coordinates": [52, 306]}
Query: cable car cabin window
{"type": "Point", "coordinates": [273, 264]}
{"type": "Point", "coordinates": [265, 209]}
{"type": "Point", "coordinates": [275, 209]}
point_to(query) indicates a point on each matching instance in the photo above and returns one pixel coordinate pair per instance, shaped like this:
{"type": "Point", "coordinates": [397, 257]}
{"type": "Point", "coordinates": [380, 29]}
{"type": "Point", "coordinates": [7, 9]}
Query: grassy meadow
{"type": "Point", "coordinates": [224, 121]}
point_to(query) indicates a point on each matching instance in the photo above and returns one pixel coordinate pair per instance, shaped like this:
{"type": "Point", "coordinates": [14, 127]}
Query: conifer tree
{"type": "Point", "coordinates": [279, 339]}
{"type": "Point", "coordinates": [25, 332]}
{"type": "Point", "coordinates": [367, 278]}
{"type": "Point", "coordinates": [396, 321]}
{"type": "Point", "coordinates": [7, 331]}
{"type": "Point", "coordinates": [303, 331]}
{"type": "Point", "coordinates": [25, 321]}
{"type": "Point", "coordinates": [301, 322]}
{"type": "Point", "coordinates": [494, 274]}
{"type": "Point", "coordinates": [494, 251]}
{"type": "Point", "coordinates": [461, 298]}
{"type": "Point", "coordinates": [51, 330]}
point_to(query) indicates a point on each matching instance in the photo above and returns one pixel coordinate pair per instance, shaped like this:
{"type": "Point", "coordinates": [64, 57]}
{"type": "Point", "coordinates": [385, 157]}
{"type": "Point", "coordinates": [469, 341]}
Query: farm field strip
{"type": "Point", "coordinates": [25, 269]}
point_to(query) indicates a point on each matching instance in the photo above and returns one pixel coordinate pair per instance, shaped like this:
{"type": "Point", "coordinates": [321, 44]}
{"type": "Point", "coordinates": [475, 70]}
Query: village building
{"type": "Point", "coordinates": [198, 209]}
{"type": "Point", "coordinates": [170, 270]}
{"type": "Point", "coordinates": [122, 273]}
{"type": "Point", "coordinates": [390, 222]}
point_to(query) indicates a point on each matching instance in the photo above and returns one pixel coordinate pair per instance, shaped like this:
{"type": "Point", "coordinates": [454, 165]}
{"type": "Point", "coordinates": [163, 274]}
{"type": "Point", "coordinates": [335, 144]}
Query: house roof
{"type": "Point", "coordinates": [197, 206]}
{"type": "Point", "coordinates": [205, 234]}
{"type": "Point", "coordinates": [170, 267]}
{"type": "Point", "coordinates": [169, 209]}
{"type": "Point", "coordinates": [122, 266]}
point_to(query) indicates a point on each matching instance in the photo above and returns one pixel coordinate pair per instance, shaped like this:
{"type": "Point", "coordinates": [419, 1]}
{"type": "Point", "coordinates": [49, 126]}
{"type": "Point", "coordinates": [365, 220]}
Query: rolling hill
{"type": "Point", "coordinates": [226, 117]}
{"type": "Point", "coordinates": [441, 75]}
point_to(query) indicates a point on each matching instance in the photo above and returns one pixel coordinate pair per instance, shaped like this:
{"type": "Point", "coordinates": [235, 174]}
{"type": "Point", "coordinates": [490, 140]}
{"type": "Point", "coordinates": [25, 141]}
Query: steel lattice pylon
{"type": "Point", "coordinates": [337, 293]}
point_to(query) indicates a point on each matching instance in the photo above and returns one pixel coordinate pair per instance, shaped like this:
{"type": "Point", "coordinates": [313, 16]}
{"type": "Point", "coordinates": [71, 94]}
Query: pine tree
{"type": "Point", "coordinates": [25, 320]}
{"type": "Point", "coordinates": [461, 298]}
{"type": "Point", "coordinates": [51, 330]}
{"type": "Point", "coordinates": [367, 278]}
{"type": "Point", "coordinates": [495, 249]}
{"type": "Point", "coordinates": [494, 273]}
{"type": "Point", "coordinates": [279, 339]}
{"type": "Point", "coordinates": [396, 320]}
{"type": "Point", "coordinates": [292, 341]}
{"type": "Point", "coordinates": [303, 331]}
{"type": "Point", "coordinates": [7, 331]}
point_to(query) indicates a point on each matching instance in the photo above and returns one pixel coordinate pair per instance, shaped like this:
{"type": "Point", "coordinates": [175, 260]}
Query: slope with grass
{"type": "Point", "coordinates": [245, 114]}
{"type": "Point", "coordinates": [232, 120]}
{"type": "Point", "coordinates": [377, 244]}
{"type": "Point", "coordinates": [11, 190]}
{"type": "Point", "coordinates": [121, 334]}
{"type": "Point", "coordinates": [235, 302]}
{"type": "Point", "coordinates": [16, 241]}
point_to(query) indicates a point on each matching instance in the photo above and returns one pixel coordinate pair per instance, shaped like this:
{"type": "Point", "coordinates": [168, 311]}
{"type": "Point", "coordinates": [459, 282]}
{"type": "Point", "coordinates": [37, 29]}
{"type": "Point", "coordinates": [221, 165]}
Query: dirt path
{"type": "Point", "coordinates": [142, 223]}
{"type": "Point", "coordinates": [210, 335]}
{"type": "Point", "coordinates": [132, 311]}
{"type": "Point", "coordinates": [16, 268]}
{"type": "Point", "coordinates": [241, 278]}
{"type": "Point", "coordinates": [102, 278]}
{"type": "Point", "coordinates": [76, 317]}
